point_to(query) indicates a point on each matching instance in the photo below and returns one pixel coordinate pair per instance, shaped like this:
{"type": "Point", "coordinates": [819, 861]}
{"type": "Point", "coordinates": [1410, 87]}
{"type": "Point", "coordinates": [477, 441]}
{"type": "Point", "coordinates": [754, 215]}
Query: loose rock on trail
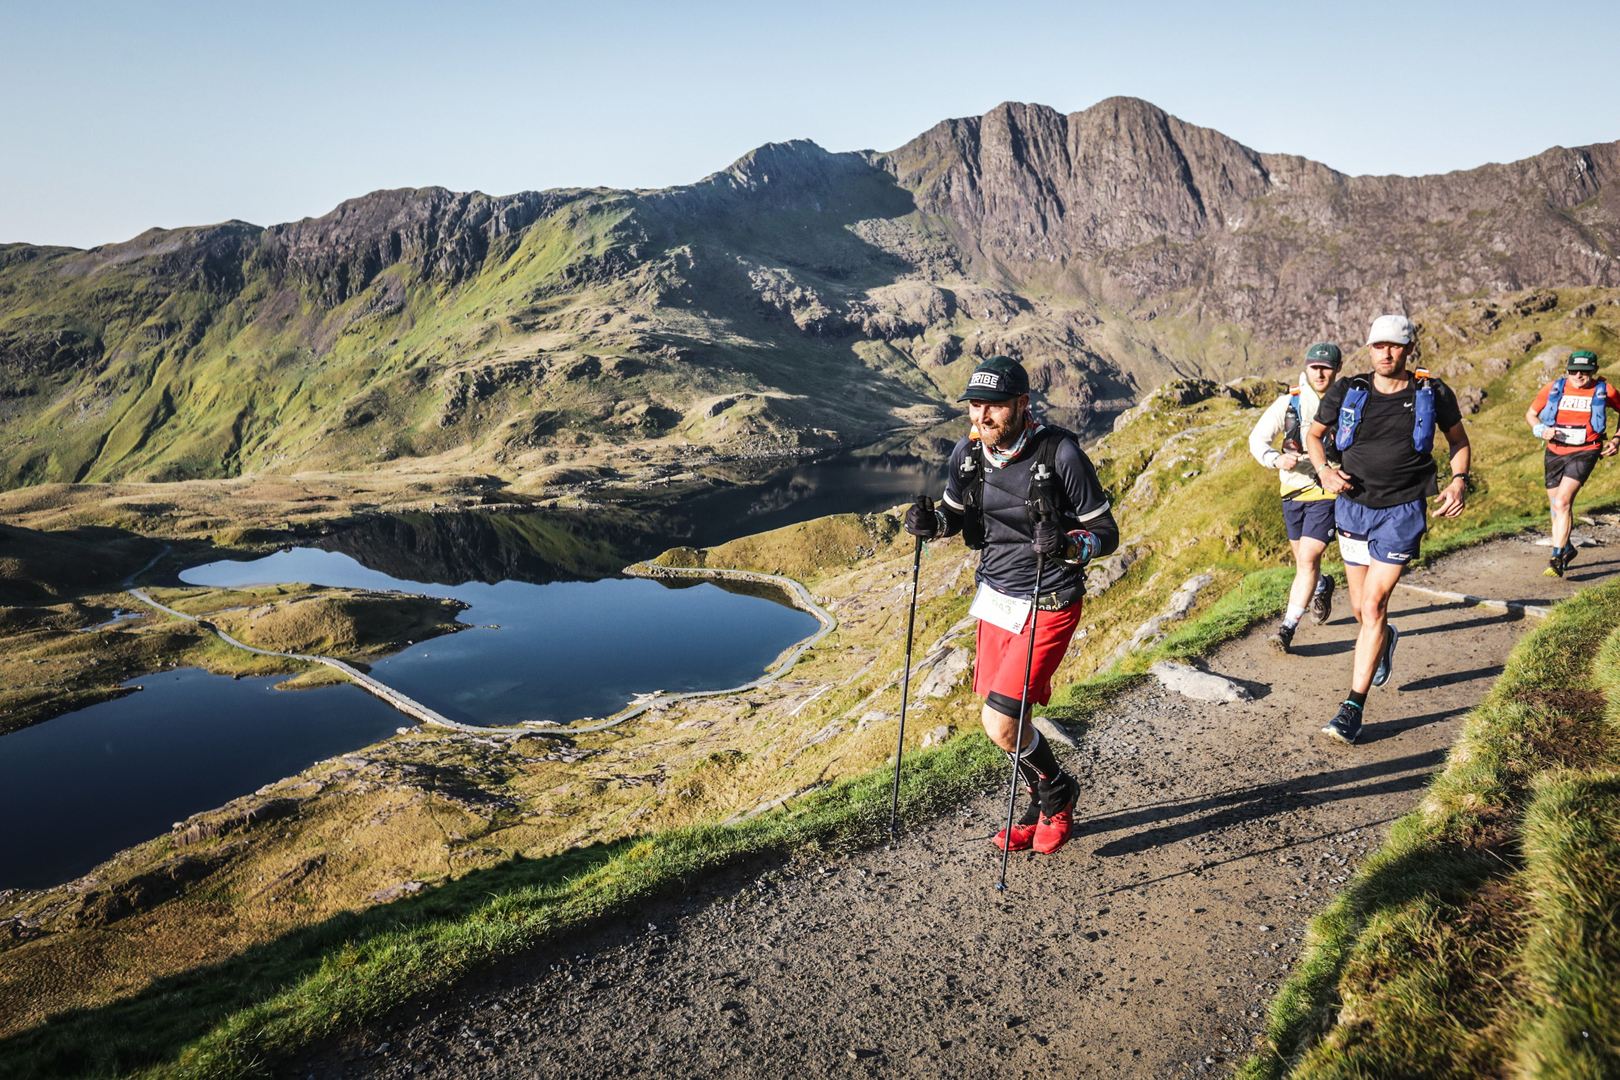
{"type": "Point", "coordinates": [1208, 836]}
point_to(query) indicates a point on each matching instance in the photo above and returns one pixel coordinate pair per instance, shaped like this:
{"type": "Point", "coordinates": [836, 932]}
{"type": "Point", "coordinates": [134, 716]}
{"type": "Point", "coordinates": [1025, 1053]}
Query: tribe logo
{"type": "Point", "coordinates": [987, 379]}
{"type": "Point", "coordinates": [1571, 403]}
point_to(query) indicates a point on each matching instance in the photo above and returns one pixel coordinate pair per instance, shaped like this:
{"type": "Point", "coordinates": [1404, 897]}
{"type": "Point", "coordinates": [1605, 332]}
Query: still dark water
{"type": "Point", "coordinates": [78, 788]}
{"type": "Point", "coordinates": [844, 485]}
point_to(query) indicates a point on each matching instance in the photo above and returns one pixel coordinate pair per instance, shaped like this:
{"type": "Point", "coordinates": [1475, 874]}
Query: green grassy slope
{"type": "Point", "coordinates": [1481, 939]}
{"type": "Point", "coordinates": [613, 319]}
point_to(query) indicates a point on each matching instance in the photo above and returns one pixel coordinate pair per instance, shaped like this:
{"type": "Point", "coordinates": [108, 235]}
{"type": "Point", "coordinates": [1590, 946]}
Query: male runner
{"type": "Point", "coordinates": [1009, 461]}
{"type": "Point", "coordinates": [1570, 414]}
{"type": "Point", "coordinates": [1383, 426]}
{"type": "Point", "coordinates": [1307, 509]}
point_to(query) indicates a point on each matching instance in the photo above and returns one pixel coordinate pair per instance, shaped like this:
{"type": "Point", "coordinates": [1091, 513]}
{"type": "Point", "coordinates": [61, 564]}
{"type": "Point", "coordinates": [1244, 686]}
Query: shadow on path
{"type": "Point", "coordinates": [1452, 678]}
{"type": "Point", "coordinates": [1264, 800]}
{"type": "Point", "coordinates": [1388, 729]}
{"type": "Point", "coordinates": [1210, 864]}
{"type": "Point", "coordinates": [1467, 624]}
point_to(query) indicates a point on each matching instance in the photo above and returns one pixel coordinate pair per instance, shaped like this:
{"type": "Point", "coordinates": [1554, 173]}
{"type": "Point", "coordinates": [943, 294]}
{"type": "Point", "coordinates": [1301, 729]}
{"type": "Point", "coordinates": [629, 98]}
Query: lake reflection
{"type": "Point", "coordinates": [558, 651]}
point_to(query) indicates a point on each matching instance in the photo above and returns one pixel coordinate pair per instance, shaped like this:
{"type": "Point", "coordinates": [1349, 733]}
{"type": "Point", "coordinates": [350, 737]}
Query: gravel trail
{"type": "Point", "coordinates": [1149, 947]}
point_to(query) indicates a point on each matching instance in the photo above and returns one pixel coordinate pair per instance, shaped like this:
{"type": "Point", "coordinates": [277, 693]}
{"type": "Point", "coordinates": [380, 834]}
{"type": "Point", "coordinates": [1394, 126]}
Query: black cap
{"type": "Point", "coordinates": [1000, 378]}
{"type": "Point", "coordinates": [1581, 360]}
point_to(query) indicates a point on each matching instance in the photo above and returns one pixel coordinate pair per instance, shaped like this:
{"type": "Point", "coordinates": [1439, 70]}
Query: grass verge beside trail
{"type": "Point", "coordinates": [1482, 933]}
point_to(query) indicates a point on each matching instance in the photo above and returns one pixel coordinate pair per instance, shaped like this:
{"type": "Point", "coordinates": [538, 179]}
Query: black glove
{"type": "Point", "coordinates": [921, 519]}
{"type": "Point", "coordinates": [1051, 539]}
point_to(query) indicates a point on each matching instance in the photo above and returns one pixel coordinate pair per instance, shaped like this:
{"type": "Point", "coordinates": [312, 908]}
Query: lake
{"type": "Point", "coordinates": [559, 651]}
{"type": "Point", "coordinates": [81, 787]}
{"type": "Point", "coordinates": [542, 644]}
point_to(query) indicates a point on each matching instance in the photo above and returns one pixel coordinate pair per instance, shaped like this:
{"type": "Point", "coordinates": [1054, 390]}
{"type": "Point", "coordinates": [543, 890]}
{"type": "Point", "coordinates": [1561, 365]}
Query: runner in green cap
{"type": "Point", "coordinates": [1569, 414]}
{"type": "Point", "coordinates": [1307, 509]}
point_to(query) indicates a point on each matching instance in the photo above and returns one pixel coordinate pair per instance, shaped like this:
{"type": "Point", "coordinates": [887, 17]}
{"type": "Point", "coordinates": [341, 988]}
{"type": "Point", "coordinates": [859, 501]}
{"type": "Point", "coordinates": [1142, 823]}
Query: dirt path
{"type": "Point", "coordinates": [1149, 947]}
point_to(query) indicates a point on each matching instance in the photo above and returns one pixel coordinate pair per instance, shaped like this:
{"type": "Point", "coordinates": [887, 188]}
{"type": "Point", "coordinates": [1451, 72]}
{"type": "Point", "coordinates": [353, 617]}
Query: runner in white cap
{"type": "Point", "coordinates": [1383, 426]}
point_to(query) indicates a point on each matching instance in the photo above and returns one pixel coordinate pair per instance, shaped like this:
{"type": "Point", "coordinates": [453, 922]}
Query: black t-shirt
{"type": "Point", "coordinates": [1383, 465]}
{"type": "Point", "coordinates": [1007, 563]}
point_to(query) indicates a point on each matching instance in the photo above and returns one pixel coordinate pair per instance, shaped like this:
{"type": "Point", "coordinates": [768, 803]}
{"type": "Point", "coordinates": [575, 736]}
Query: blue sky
{"type": "Point", "coordinates": [118, 116]}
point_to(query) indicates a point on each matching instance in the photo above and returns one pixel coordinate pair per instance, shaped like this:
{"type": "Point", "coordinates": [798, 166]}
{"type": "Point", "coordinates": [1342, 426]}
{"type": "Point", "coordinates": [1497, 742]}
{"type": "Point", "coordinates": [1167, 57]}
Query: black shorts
{"type": "Point", "coordinates": [1575, 466]}
{"type": "Point", "coordinates": [1312, 518]}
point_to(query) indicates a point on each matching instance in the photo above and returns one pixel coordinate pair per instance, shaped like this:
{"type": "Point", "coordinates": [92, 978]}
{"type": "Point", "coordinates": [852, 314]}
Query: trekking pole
{"type": "Point", "coordinates": [1018, 729]}
{"type": "Point", "coordinates": [1043, 511]}
{"type": "Point", "coordinates": [924, 505]}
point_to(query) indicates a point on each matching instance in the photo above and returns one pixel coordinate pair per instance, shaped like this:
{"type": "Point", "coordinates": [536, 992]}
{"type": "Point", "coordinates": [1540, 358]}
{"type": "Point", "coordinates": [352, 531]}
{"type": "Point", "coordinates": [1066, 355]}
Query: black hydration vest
{"type": "Point", "coordinates": [1294, 428]}
{"type": "Point", "coordinates": [1041, 502]}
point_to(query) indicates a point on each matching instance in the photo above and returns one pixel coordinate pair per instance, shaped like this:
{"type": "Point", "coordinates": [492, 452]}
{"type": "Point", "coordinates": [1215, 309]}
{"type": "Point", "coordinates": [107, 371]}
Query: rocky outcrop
{"type": "Point", "coordinates": [1153, 205]}
{"type": "Point", "coordinates": [438, 234]}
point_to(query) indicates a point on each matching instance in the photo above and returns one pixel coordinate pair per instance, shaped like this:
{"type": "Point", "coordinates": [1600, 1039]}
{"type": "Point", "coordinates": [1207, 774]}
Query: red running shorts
{"type": "Point", "coordinates": [999, 667]}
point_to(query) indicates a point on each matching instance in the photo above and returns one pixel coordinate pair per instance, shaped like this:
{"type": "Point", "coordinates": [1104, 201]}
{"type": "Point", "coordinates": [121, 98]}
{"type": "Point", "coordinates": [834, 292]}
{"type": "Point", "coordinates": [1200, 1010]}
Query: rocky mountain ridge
{"type": "Point", "coordinates": [795, 301]}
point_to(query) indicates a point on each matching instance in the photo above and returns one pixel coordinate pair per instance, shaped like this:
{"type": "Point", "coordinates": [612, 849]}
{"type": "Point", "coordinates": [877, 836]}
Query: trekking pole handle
{"type": "Point", "coordinates": [1041, 491]}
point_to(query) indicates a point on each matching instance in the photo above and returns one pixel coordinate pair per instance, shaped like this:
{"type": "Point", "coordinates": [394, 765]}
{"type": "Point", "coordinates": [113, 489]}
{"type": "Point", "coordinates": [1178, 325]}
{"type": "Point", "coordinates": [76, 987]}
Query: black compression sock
{"type": "Point", "coordinates": [1358, 700]}
{"type": "Point", "coordinates": [1041, 757]}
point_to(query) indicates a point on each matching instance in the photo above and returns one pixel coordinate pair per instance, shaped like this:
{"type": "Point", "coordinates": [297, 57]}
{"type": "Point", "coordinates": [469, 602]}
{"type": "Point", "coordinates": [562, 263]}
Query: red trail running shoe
{"type": "Point", "coordinates": [1057, 814]}
{"type": "Point", "coordinates": [1023, 831]}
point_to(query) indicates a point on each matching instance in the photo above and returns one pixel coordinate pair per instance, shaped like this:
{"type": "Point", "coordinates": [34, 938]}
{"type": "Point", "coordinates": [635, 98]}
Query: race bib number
{"type": "Point", "coordinates": [1569, 436]}
{"type": "Point", "coordinates": [1007, 612]}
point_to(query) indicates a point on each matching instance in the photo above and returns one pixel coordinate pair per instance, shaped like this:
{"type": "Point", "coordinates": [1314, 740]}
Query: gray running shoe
{"type": "Point", "coordinates": [1345, 725]}
{"type": "Point", "coordinates": [1386, 658]}
{"type": "Point", "coordinates": [1569, 556]}
{"type": "Point", "coordinates": [1282, 639]}
{"type": "Point", "coordinates": [1322, 600]}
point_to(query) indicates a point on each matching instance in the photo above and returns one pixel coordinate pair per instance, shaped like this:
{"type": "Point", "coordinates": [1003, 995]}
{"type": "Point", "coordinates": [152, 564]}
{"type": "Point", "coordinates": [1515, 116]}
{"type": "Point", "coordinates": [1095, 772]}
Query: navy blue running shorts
{"type": "Point", "coordinates": [1390, 534]}
{"type": "Point", "coordinates": [1312, 518]}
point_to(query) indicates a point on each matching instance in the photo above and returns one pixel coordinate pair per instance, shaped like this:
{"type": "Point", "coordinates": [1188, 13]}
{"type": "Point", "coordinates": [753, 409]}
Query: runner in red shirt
{"type": "Point", "coordinates": [1570, 415]}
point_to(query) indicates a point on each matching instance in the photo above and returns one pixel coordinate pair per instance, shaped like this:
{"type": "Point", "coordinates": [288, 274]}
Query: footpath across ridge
{"type": "Point", "coordinates": [1208, 837]}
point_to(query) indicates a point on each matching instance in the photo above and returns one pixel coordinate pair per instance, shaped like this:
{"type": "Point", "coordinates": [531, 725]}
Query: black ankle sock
{"type": "Point", "coordinates": [1359, 700]}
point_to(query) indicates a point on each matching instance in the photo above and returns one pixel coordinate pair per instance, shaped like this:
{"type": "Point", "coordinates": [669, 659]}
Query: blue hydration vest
{"type": "Point", "coordinates": [1355, 401]}
{"type": "Point", "coordinates": [1600, 406]}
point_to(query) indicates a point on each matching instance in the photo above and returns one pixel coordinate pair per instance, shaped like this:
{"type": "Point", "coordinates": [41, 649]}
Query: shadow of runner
{"type": "Point", "coordinates": [1426, 609]}
{"type": "Point", "coordinates": [1591, 570]}
{"type": "Point", "coordinates": [1324, 648]}
{"type": "Point", "coordinates": [1468, 624]}
{"type": "Point", "coordinates": [1262, 800]}
{"type": "Point", "coordinates": [1209, 864]}
{"type": "Point", "coordinates": [1452, 678]}
{"type": "Point", "coordinates": [1388, 729]}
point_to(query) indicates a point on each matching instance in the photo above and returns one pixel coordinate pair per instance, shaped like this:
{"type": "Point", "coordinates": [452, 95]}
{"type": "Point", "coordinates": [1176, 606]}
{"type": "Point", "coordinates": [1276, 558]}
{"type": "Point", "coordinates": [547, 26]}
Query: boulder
{"type": "Point", "coordinates": [394, 892]}
{"type": "Point", "coordinates": [1552, 360]}
{"type": "Point", "coordinates": [1055, 731]}
{"type": "Point", "coordinates": [1524, 341]}
{"type": "Point", "coordinates": [1189, 682]}
{"type": "Point", "coordinates": [946, 674]}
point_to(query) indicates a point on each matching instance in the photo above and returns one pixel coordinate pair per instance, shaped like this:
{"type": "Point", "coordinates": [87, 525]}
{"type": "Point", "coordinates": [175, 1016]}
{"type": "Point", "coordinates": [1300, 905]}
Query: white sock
{"type": "Point", "coordinates": [1295, 613]}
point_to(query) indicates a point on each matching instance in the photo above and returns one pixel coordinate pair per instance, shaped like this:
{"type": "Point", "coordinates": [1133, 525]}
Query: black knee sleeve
{"type": "Point", "coordinates": [1003, 704]}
